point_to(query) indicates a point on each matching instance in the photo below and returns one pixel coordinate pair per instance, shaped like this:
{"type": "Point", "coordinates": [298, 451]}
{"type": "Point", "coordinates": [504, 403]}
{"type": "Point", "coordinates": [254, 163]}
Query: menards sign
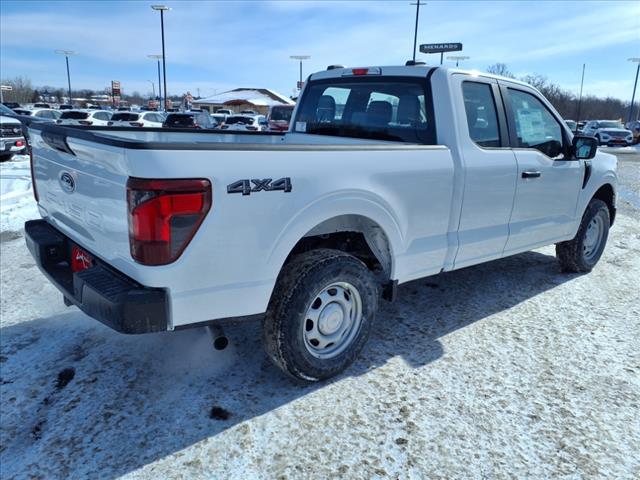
{"type": "Point", "coordinates": [440, 47]}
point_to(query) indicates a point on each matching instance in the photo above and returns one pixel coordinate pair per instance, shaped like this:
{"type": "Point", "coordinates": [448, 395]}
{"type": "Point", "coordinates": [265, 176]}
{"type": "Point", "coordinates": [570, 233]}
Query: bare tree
{"type": "Point", "coordinates": [21, 90]}
{"type": "Point", "coordinates": [500, 69]}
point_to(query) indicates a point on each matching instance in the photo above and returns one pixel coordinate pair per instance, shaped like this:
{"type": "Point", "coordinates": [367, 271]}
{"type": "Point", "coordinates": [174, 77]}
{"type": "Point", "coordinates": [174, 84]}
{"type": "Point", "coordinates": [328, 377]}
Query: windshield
{"type": "Point", "coordinates": [74, 115]}
{"type": "Point", "coordinates": [281, 114]}
{"type": "Point", "coordinates": [392, 109]}
{"type": "Point", "coordinates": [6, 110]}
{"type": "Point", "coordinates": [610, 125]}
{"type": "Point", "coordinates": [125, 117]}
{"type": "Point", "coordinates": [239, 120]}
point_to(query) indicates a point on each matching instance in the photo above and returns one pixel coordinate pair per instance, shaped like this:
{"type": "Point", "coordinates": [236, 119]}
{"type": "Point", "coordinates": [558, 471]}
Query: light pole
{"type": "Point", "coordinates": [300, 58]}
{"type": "Point", "coordinates": [415, 34]}
{"type": "Point", "coordinates": [67, 54]}
{"type": "Point", "coordinates": [157, 58]}
{"type": "Point", "coordinates": [162, 9]}
{"type": "Point", "coordinates": [153, 88]}
{"type": "Point", "coordinates": [584, 65]}
{"type": "Point", "coordinates": [458, 58]}
{"type": "Point", "coordinates": [635, 84]}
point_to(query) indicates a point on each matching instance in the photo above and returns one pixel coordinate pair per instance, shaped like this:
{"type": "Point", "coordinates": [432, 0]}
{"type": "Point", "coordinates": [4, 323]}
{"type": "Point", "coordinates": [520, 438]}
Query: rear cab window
{"type": "Point", "coordinates": [382, 108]}
{"type": "Point", "coordinates": [125, 117]}
{"type": "Point", "coordinates": [74, 115]}
{"type": "Point", "coordinates": [179, 120]}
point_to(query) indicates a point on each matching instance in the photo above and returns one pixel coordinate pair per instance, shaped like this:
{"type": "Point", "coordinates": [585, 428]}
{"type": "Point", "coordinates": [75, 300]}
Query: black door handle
{"type": "Point", "coordinates": [531, 174]}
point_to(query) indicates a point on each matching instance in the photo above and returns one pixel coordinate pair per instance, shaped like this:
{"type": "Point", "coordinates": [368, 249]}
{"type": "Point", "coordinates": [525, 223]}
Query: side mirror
{"type": "Point", "coordinates": [583, 147]}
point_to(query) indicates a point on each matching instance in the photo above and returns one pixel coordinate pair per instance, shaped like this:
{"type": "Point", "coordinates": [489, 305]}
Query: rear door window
{"type": "Point", "coordinates": [393, 109]}
{"type": "Point", "coordinates": [482, 116]}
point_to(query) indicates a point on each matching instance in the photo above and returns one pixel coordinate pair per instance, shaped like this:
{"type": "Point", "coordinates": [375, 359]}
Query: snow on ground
{"type": "Point", "coordinates": [504, 370]}
{"type": "Point", "coordinates": [17, 204]}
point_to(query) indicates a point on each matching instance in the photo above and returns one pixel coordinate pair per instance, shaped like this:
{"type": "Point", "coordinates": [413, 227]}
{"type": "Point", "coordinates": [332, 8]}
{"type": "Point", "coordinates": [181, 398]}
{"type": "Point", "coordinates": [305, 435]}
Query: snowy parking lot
{"type": "Point", "coordinates": [509, 369]}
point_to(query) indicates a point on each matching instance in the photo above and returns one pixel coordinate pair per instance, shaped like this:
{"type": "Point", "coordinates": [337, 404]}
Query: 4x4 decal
{"type": "Point", "coordinates": [245, 188]}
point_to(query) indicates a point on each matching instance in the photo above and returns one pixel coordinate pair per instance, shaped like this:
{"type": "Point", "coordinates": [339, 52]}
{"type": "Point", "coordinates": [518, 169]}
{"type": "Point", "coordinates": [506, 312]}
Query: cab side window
{"type": "Point", "coordinates": [536, 127]}
{"type": "Point", "coordinates": [482, 117]}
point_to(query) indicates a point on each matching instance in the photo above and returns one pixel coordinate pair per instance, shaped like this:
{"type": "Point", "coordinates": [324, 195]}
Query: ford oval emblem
{"type": "Point", "coordinates": [67, 182]}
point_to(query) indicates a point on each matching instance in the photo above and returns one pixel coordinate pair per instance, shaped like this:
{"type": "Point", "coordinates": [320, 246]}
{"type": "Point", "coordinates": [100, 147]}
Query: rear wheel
{"type": "Point", "coordinates": [581, 253]}
{"type": "Point", "coordinates": [320, 314]}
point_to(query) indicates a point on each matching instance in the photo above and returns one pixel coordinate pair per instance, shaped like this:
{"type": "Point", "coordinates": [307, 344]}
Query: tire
{"type": "Point", "coordinates": [320, 289]}
{"type": "Point", "coordinates": [6, 157]}
{"type": "Point", "coordinates": [582, 253]}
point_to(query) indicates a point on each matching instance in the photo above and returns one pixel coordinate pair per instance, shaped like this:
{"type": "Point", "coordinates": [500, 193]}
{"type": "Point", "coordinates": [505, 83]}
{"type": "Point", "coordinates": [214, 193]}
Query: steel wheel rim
{"type": "Point", "coordinates": [332, 320]}
{"type": "Point", "coordinates": [593, 238]}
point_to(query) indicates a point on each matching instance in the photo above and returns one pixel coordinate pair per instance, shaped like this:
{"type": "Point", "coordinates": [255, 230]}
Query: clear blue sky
{"type": "Point", "coordinates": [219, 45]}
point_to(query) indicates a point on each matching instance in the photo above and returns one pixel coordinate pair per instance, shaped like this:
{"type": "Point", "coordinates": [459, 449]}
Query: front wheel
{"type": "Point", "coordinates": [581, 253]}
{"type": "Point", "coordinates": [320, 314]}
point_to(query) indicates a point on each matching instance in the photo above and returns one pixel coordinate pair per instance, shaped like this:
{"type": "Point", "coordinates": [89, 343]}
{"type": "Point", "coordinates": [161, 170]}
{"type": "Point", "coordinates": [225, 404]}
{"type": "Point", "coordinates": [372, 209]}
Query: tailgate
{"type": "Point", "coordinates": [81, 187]}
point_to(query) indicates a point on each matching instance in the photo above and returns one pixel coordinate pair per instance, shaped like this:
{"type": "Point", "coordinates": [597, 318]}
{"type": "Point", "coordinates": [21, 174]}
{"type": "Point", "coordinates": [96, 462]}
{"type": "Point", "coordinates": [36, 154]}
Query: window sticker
{"type": "Point", "coordinates": [531, 126]}
{"type": "Point", "coordinates": [301, 127]}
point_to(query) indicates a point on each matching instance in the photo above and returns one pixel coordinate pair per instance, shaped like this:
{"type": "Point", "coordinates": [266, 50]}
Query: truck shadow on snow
{"type": "Point", "coordinates": [115, 403]}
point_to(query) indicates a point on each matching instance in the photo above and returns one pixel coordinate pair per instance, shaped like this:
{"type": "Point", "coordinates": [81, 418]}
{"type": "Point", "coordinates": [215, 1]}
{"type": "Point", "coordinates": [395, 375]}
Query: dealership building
{"type": "Point", "coordinates": [258, 99]}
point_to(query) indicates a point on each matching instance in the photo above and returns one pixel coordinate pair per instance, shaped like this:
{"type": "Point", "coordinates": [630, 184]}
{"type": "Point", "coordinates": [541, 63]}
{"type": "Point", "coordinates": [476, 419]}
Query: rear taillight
{"type": "Point", "coordinates": [85, 122]}
{"type": "Point", "coordinates": [33, 173]}
{"type": "Point", "coordinates": [135, 124]}
{"type": "Point", "coordinates": [19, 143]}
{"type": "Point", "coordinates": [164, 215]}
{"type": "Point", "coordinates": [360, 71]}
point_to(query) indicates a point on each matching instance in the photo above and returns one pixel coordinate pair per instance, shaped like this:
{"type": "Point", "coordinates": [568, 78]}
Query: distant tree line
{"type": "Point", "coordinates": [23, 92]}
{"type": "Point", "coordinates": [566, 102]}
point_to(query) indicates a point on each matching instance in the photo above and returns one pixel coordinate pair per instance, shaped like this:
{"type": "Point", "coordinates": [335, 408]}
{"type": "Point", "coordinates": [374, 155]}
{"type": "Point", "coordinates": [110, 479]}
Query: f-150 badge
{"type": "Point", "coordinates": [247, 187]}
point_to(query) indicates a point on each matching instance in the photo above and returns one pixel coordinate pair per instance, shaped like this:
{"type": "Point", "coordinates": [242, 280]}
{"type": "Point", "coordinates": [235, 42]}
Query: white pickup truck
{"type": "Point", "coordinates": [386, 175]}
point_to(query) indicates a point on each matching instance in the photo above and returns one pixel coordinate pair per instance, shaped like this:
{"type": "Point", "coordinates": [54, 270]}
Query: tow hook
{"type": "Point", "coordinates": [218, 337]}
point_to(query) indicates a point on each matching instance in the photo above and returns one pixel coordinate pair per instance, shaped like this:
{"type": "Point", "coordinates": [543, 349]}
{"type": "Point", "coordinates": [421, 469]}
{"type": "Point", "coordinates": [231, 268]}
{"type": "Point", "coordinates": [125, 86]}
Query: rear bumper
{"type": "Point", "coordinates": [101, 292]}
{"type": "Point", "coordinates": [8, 144]}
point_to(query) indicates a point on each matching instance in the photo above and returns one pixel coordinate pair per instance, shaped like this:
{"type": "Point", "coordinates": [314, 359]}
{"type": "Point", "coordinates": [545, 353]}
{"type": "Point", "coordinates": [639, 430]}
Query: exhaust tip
{"type": "Point", "coordinates": [220, 343]}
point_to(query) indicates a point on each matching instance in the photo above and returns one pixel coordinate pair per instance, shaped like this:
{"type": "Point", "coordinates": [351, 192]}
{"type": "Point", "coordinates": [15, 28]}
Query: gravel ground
{"type": "Point", "coordinates": [504, 370]}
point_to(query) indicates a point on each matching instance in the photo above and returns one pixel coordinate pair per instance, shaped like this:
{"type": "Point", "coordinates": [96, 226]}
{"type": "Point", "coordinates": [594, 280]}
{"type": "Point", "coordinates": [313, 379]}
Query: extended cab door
{"type": "Point", "coordinates": [548, 180]}
{"type": "Point", "coordinates": [489, 170]}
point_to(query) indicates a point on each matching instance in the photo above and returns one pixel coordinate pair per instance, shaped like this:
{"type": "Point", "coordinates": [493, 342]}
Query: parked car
{"type": "Point", "coordinates": [137, 119]}
{"type": "Point", "coordinates": [581, 125]}
{"type": "Point", "coordinates": [635, 130]}
{"type": "Point", "coordinates": [279, 117]}
{"type": "Point", "coordinates": [11, 105]}
{"type": "Point", "coordinates": [572, 124]}
{"type": "Point", "coordinates": [245, 123]}
{"type": "Point", "coordinates": [45, 114]}
{"type": "Point", "coordinates": [12, 140]}
{"type": "Point", "coordinates": [41, 105]}
{"type": "Point", "coordinates": [219, 118]}
{"type": "Point", "coordinates": [200, 120]}
{"type": "Point", "coordinates": [225, 111]}
{"type": "Point", "coordinates": [608, 132]}
{"type": "Point", "coordinates": [85, 117]}
{"type": "Point", "coordinates": [309, 229]}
